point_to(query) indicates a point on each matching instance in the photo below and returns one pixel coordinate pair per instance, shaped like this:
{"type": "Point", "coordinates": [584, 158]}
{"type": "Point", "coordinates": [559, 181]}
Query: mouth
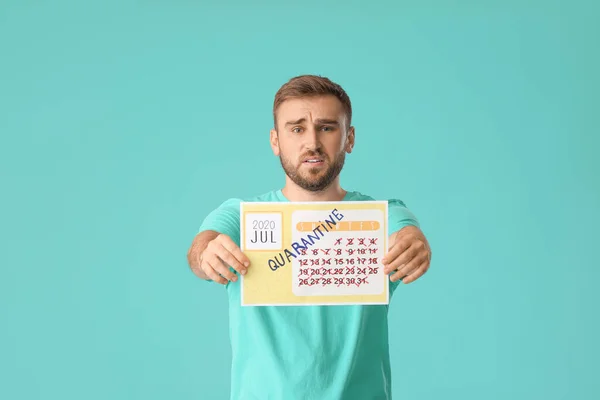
{"type": "Point", "coordinates": [315, 161]}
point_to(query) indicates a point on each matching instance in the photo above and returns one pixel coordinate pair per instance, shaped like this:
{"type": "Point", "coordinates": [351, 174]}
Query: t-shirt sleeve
{"type": "Point", "coordinates": [224, 219]}
{"type": "Point", "coordinates": [399, 216]}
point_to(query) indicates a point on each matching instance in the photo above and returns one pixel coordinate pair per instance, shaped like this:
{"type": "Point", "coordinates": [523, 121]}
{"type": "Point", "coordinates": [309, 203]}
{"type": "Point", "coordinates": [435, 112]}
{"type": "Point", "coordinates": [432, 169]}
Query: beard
{"type": "Point", "coordinates": [314, 179]}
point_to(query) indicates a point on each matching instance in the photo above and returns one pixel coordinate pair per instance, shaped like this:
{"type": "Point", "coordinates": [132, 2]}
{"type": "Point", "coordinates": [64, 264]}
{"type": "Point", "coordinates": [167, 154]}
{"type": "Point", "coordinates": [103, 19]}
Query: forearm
{"type": "Point", "coordinates": [198, 245]}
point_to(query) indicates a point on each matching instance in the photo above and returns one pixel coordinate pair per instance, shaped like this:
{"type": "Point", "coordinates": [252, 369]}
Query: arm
{"type": "Point", "coordinates": [409, 255]}
{"type": "Point", "coordinates": [198, 246]}
{"type": "Point", "coordinates": [212, 254]}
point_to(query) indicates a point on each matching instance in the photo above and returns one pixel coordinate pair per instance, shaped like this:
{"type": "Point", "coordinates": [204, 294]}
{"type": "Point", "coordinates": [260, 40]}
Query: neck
{"type": "Point", "coordinates": [333, 192]}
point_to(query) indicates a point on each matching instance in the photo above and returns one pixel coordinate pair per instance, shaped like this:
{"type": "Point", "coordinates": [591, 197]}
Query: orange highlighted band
{"type": "Point", "coordinates": [339, 226]}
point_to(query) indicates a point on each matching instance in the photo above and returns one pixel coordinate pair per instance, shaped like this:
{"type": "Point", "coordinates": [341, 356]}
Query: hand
{"type": "Point", "coordinates": [409, 255]}
{"type": "Point", "coordinates": [219, 254]}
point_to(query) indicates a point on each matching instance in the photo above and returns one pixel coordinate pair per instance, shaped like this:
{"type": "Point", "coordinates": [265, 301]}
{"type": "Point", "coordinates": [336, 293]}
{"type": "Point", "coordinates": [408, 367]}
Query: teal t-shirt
{"type": "Point", "coordinates": [307, 352]}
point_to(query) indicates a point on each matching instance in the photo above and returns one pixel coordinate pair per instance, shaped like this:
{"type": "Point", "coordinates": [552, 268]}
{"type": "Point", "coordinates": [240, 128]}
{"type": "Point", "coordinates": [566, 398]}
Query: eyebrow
{"type": "Point", "coordinates": [319, 121]}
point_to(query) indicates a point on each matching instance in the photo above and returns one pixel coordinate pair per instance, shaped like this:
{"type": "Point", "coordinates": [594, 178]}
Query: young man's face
{"type": "Point", "coordinates": [312, 138]}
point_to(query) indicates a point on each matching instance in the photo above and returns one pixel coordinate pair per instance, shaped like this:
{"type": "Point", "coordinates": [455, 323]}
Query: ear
{"type": "Point", "coordinates": [274, 139]}
{"type": "Point", "coordinates": [349, 140]}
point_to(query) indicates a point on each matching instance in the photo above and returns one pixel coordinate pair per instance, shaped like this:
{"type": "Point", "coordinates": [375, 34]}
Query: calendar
{"type": "Point", "coordinates": [314, 253]}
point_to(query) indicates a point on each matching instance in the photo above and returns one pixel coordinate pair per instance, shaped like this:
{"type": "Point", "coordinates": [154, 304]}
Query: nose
{"type": "Point", "coordinates": [311, 140]}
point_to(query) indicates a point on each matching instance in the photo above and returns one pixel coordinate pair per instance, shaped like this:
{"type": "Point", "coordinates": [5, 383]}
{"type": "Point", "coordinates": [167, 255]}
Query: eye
{"type": "Point", "coordinates": [296, 129]}
{"type": "Point", "coordinates": [327, 128]}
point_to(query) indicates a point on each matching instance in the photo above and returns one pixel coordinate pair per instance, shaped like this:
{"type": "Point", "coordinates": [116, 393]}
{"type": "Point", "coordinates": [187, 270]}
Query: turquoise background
{"type": "Point", "coordinates": [124, 123]}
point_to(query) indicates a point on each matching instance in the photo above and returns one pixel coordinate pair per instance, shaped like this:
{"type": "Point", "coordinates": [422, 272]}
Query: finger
{"type": "Point", "coordinates": [397, 248]}
{"type": "Point", "coordinates": [403, 259]}
{"type": "Point", "coordinates": [211, 273]}
{"type": "Point", "coordinates": [234, 249]}
{"type": "Point", "coordinates": [217, 264]}
{"type": "Point", "coordinates": [229, 259]}
{"type": "Point", "coordinates": [409, 267]}
{"type": "Point", "coordinates": [416, 274]}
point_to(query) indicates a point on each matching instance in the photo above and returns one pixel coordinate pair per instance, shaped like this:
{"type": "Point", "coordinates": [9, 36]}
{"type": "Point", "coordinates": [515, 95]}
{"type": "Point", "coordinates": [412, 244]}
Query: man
{"type": "Point", "coordinates": [308, 352]}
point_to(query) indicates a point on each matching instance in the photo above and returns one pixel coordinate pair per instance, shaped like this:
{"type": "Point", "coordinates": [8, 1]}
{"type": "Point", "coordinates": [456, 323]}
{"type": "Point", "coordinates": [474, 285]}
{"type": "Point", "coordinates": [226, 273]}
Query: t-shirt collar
{"type": "Point", "coordinates": [282, 198]}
